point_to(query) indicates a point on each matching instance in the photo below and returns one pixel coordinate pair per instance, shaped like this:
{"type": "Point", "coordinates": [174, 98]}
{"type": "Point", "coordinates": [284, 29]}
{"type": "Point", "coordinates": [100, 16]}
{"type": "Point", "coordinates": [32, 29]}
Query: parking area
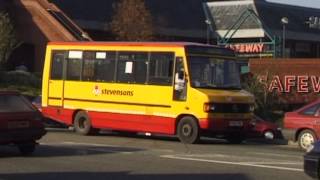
{"type": "Point", "coordinates": [64, 154]}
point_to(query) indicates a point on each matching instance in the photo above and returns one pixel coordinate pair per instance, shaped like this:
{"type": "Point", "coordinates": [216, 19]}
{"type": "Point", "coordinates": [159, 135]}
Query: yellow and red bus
{"type": "Point", "coordinates": [184, 89]}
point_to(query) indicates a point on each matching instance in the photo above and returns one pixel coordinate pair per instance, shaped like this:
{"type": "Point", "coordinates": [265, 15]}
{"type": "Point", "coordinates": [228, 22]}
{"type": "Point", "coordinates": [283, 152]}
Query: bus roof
{"type": "Point", "coordinates": [157, 44]}
{"type": "Point", "coordinates": [191, 48]}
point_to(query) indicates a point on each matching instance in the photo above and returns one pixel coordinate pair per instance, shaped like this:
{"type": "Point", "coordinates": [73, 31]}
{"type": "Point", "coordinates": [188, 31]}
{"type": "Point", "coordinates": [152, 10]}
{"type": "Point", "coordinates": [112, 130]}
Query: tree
{"type": "Point", "coordinates": [266, 102]}
{"type": "Point", "coordinates": [8, 40]}
{"type": "Point", "coordinates": [132, 21]}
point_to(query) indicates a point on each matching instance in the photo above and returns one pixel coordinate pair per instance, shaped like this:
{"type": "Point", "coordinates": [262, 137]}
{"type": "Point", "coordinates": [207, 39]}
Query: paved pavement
{"type": "Point", "coordinates": [66, 155]}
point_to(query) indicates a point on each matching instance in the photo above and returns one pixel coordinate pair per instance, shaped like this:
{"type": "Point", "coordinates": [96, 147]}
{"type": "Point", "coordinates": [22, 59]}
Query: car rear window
{"type": "Point", "coordinates": [15, 103]}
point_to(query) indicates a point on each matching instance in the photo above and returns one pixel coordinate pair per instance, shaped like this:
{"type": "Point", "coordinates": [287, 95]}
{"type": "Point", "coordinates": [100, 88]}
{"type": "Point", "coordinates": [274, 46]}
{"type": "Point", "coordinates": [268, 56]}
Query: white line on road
{"type": "Point", "coordinates": [276, 163]}
{"type": "Point", "coordinates": [232, 163]}
{"type": "Point", "coordinates": [277, 155]}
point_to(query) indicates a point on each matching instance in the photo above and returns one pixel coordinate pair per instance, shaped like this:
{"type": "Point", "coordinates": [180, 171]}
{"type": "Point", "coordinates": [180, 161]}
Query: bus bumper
{"type": "Point", "coordinates": [225, 126]}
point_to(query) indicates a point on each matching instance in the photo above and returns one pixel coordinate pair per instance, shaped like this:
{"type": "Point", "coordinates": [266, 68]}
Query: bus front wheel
{"type": "Point", "coordinates": [82, 124]}
{"type": "Point", "coordinates": [188, 130]}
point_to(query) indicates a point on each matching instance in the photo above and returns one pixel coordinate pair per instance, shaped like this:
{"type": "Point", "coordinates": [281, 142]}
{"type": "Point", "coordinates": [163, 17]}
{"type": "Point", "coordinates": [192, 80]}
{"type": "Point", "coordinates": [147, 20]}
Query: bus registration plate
{"type": "Point", "coordinates": [235, 123]}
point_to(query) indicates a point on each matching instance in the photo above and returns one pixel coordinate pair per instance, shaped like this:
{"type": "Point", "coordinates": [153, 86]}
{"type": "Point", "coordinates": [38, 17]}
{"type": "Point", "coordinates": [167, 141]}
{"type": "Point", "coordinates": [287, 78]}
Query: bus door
{"type": "Point", "coordinates": [180, 82]}
{"type": "Point", "coordinates": [56, 82]}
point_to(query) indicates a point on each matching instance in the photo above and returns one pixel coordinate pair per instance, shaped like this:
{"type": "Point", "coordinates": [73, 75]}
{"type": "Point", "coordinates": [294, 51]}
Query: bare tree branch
{"type": "Point", "coordinates": [132, 21]}
{"type": "Point", "coordinates": [8, 40]}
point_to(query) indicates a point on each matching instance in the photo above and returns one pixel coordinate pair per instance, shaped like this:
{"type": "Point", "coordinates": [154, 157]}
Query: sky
{"type": "Point", "coordinates": [306, 3]}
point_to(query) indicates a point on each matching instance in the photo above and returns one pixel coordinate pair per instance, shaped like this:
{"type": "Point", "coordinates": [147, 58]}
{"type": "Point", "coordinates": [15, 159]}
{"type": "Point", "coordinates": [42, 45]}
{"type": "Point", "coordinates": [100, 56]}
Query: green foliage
{"type": "Point", "coordinates": [21, 81]}
{"type": "Point", "coordinates": [266, 102]}
{"type": "Point", "coordinates": [132, 21]}
{"type": "Point", "coordinates": [8, 40]}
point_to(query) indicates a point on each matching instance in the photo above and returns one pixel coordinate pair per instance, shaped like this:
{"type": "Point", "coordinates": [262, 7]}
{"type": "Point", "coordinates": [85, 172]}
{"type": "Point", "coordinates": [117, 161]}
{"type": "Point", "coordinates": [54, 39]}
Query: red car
{"type": "Point", "coordinates": [303, 125]}
{"type": "Point", "coordinates": [264, 129]}
{"type": "Point", "coordinates": [20, 122]}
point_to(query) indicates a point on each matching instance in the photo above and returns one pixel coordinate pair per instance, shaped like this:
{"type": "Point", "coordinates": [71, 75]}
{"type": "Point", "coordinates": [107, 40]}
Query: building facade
{"type": "Point", "coordinates": [259, 29]}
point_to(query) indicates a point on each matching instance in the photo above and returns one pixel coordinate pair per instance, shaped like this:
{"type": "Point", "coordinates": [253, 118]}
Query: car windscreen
{"type": "Point", "coordinates": [15, 103]}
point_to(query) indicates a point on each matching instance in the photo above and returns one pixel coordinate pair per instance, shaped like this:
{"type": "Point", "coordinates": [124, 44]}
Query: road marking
{"type": "Point", "coordinates": [282, 163]}
{"type": "Point", "coordinates": [277, 155]}
{"type": "Point", "coordinates": [232, 163]}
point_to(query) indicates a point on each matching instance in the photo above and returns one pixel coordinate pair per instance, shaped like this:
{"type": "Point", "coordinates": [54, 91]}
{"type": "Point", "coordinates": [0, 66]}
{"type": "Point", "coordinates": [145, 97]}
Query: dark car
{"type": "Point", "coordinates": [37, 102]}
{"type": "Point", "coordinates": [47, 121]}
{"type": "Point", "coordinates": [302, 125]}
{"type": "Point", "coordinates": [20, 122]}
{"type": "Point", "coordinates": [312, 161]}
{"type": "Point", "coordinates": [263, 129]}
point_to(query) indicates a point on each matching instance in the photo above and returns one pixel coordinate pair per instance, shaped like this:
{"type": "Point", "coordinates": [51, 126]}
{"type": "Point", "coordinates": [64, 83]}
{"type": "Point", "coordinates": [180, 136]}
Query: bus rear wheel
{"type": "Point", "coordinates": [188, 130]}
{"type": "Point", "coordinates": [82, 124]}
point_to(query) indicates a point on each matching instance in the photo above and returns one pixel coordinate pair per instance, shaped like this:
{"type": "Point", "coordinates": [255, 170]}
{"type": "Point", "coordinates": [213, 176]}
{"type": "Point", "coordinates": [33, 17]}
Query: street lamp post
{"type": "Point", "coordinates": [208, 22]}
{"type": "Point", "coordinates": [284, 21]}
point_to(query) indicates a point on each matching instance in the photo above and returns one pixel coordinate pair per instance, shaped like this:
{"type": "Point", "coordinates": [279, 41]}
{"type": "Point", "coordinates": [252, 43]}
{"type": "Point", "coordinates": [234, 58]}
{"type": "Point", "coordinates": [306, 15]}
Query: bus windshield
{"type": "Point", "coordinates": [213, 73]}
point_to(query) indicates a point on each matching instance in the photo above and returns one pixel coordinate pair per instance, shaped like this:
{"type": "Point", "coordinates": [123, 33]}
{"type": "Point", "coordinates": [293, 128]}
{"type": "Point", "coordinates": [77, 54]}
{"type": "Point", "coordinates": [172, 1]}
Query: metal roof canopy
{"type": "Point", "coordinates": [247, 14]}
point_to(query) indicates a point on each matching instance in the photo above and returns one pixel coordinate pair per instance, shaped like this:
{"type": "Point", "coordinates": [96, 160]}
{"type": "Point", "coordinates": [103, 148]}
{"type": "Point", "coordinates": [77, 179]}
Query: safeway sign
{"type": "Point", "coordinates": [251, 49]}
{"type": "Point", "coordinates": [247, 48]}
{"type": "Point", "coordinates": [294, 80]}
{"type": "Point", "coordinates": [299, 84]}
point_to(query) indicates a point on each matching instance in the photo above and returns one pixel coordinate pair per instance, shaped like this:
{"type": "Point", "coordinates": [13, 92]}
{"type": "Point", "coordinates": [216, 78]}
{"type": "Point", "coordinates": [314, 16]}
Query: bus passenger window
{"type": "Point", "coordinates": [88, 73]}
{"type": "Point", "coordinates": [57, 65]}
{"type": "Point", "coordinates": [74, 65]}
{"type": "Point", "coordinates": [161, 68]}
{"type": "Point", "coordinates": [105, 66]}
{"type": "Point", "coordinates": [132, 67]}
{"type": "Point", "coordinates": [98, 66]}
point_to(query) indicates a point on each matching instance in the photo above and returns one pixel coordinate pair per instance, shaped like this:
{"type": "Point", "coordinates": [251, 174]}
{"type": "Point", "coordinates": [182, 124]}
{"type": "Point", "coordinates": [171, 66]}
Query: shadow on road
{"type": "Point", "coordinates": [169, 138]}
{"type": "Point", "coordinates": [118, 175]}
{"type": "Point", "coordinates": [56, 150]}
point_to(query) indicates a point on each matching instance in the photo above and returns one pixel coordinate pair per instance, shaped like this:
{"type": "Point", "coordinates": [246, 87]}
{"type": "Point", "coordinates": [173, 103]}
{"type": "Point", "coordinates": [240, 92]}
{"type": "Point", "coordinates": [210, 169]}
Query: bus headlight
{"type": "Point", "coordinates": [209, 107]}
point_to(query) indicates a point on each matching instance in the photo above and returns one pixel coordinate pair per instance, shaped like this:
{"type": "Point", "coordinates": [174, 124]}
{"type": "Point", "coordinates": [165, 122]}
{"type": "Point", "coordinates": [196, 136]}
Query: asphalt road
{"type": "Point", "coordinates": [66, 155]}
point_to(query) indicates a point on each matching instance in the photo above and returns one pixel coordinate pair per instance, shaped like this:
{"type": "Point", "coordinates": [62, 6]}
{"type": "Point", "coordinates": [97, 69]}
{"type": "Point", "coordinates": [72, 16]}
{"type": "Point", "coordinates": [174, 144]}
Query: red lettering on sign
{"type": "Point", "coordinates": [276, 84]}
{"type": "Point", "coordinates": [289, 82]}
{"type": "Point", "coordinates": [247, 48]}
{"type": "Point", "coordinates": [303, 84]}
{"type": "Point", "coordinates": [315, 81]}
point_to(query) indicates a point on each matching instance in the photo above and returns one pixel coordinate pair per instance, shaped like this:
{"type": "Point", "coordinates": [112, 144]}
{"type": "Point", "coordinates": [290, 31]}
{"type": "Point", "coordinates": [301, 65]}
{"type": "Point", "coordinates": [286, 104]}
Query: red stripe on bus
{"type": "Point", "coordinates": [117, 121]}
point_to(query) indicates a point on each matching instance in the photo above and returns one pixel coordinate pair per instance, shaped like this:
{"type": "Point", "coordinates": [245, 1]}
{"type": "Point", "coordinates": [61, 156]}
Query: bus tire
{"type": "Point", "coordinates": [82, 124]}
{"type": "Point", "coordinates": [306, 138]}
{"type": "Point", "coordinates": [188, 130]}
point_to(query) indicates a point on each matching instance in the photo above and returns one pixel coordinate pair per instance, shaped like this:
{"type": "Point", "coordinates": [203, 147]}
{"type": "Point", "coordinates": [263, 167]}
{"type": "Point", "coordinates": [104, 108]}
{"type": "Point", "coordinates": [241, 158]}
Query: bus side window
{"type": "Point", "coordinates": [88, 72]}
{"type": "Point", "coordinates": [132, 67]}
{"type": "Point", "coordinates": [99, 66]}
{"type": "Point", "coordinates": [58, 58]}
{"type": "Point", "coordinates": [161, 68]}
{"type": "Point", "coordinates": [74, 65]}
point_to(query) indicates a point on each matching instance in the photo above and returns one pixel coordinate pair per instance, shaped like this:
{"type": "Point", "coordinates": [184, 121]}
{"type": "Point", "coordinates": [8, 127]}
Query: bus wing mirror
{"type": "Point", "coordinates": [180, 81]}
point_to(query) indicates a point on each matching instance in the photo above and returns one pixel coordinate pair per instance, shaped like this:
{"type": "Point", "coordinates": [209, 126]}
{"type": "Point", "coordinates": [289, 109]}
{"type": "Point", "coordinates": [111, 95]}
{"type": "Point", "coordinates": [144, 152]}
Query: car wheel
{"type": "Point", "coordinates": [27, 148]}
{"type": "Point", "coordinates": [188, 130]}
{"type": "Point", "coordinates": [82, 124]}
{"type": "Point", "coordinates": [306, 138]}
{"type": "Point", "coordinates": [269, 134]}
